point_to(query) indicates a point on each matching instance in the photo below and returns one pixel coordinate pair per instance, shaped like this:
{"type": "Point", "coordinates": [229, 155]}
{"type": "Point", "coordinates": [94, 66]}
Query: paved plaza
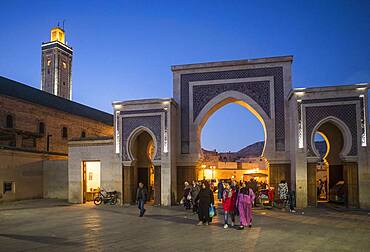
{"type": "Point", "coordinates": [50, 225]}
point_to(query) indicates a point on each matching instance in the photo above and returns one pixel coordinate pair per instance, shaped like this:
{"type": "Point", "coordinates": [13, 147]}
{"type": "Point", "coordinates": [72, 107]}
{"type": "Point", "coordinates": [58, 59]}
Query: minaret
{"type": "Point", "coordinates": [56, 65]}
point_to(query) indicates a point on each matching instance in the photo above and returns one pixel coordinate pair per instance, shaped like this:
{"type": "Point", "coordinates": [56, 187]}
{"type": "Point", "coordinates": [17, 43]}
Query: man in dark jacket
{"type": "Point", "coordinates": [141, 197]}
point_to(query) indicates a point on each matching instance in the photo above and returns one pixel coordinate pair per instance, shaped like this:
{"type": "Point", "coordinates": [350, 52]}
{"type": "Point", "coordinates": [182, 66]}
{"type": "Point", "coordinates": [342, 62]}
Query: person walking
{"type": "Point", "coordinates": [141, 197]}
{"type": "Point", "coordinates": [194, 193]}
{"type": "Point", "coordinates": [283, 192]}
{"type": "Point", "coordinates": [228, 203]}
{"type": "Point", "coordinates": [187, 196]}
{"type": "Point", "coordinates": [245, 202]}
{"type": "Point", "coordinates": [205, 199]}
{"type": "Point", "coordinates": [220, 189]}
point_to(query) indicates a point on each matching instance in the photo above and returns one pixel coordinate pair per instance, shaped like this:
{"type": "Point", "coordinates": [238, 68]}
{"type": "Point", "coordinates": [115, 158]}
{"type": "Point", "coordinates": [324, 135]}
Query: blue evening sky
{"type": "Point", "coordinates": [123, 50]}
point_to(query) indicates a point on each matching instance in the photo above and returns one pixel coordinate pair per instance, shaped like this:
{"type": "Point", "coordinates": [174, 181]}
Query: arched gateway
{"type": "Point", "coordinates": [158, 140]}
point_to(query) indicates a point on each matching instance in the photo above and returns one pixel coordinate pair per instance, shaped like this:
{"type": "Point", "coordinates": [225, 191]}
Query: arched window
{"type": "Point", "coordinates": [41, 128]}
{"type": "Point", "coordinates": [64, 132]}
{"type": "Point", "coordinates": [9, 121]}
{"type": "Point", "coordinates": [83, 134]}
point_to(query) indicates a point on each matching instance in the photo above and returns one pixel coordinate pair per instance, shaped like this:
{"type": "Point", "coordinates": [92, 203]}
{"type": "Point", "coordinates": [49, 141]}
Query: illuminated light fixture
{"type": "Point", "coordinates": [363, 121]}
{"type": "Point", "coordinates": [117, 106]}
{"type": "Point", "coordinates": [165, 141]}
{"type": "Point", "coordinates": [300, 124]}
{"type": "Point", "coordinates": [117, 137]}
{"type": "Point", "coordinates": [165, 108]}
{"type": "Point", "coordinates": [166, 102]}
{"type": "Point", "coordinates": [361, 88]}
{"type": "Point", "coordinates": [299, 93]}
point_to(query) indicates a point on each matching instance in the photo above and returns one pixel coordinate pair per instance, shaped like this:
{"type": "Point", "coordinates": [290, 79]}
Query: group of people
{"type": "Point", "coordinates": [237, 199]}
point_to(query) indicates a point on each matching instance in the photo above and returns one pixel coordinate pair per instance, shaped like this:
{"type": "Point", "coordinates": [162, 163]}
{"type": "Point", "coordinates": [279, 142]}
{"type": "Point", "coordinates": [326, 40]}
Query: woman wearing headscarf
{"type": "Point", "coordinates": [244, 203]}
{"type": "Point", "coordinates": [204, 199]}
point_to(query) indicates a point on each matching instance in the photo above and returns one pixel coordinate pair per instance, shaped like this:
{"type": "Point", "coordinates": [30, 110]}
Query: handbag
{"type": "Point", "coordinates": [188, 197]}
{"type": "Point", "coordinates": [211, 211]}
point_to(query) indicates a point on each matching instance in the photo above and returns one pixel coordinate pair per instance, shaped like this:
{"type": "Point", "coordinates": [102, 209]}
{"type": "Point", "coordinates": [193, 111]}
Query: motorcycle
{"type": "Point", "coordinates": [106, 197]}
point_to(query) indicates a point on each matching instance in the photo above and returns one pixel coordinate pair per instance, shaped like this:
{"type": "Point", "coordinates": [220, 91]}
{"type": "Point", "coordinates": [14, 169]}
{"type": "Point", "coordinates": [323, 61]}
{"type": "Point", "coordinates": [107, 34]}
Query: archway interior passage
{"type": "Point", "coordinates": [143, 151]}
{"type": "Point", "coordinates": [330, 182]}
{"type": "Point", "coordinates": [232, 142]}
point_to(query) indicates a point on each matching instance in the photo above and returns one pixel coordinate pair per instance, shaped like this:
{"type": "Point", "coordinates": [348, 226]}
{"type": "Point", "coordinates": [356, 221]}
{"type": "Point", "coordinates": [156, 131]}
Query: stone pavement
{"type": "Point", "coordinates": [52, 225]}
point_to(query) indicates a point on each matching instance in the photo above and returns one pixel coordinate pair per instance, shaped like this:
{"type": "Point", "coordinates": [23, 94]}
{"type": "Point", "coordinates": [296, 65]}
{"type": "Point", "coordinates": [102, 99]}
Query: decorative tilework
{"type": "Point", "coordinates": [257, 90]}
{"type": "Point", "coordinates": [131, 123]}
{"type": "Point", "coordinates": [346, 113]}
{"type": "Point", "coordinates": [276, 72]}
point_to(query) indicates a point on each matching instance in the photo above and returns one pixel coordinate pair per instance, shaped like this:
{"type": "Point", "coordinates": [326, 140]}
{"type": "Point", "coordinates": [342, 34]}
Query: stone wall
{"type": "Point", "coordinates": [27, 116]}
{"type": "Point", "coordinates": [26, 172]}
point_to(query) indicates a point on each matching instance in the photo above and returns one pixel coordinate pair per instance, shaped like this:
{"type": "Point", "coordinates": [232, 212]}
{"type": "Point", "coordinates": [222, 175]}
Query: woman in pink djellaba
{"type": "Point", "coordinates": [244, 203]}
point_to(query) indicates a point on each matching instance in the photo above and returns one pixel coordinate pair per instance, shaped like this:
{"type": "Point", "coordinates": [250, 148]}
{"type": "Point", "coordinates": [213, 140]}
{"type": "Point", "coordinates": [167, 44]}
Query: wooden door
{"type": "Point", "coordinates": [157, 185]}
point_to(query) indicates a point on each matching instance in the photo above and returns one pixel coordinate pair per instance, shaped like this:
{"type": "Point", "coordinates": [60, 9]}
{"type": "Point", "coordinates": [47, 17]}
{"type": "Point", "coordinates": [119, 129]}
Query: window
{"type": "Point", "coordinates": [83, 134]}
{"type": "Point", "coordinates": [8, 187]}
{"type": "Point", "coordinates": [9, 121]}
{"type": "Point", "coordinates": [41, 128]}
{"type": "Point", "coordinates": [65, 132]}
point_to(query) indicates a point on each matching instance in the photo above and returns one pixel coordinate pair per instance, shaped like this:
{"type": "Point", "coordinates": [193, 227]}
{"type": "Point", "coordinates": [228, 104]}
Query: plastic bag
{"type": "Point", "coordinates": [211, 211]}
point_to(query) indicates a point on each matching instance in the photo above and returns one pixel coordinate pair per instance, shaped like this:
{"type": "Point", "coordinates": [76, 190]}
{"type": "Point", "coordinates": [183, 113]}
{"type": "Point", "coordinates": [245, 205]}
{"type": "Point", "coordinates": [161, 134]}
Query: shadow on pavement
{"type": "Point", "coordinates": [41, 239]}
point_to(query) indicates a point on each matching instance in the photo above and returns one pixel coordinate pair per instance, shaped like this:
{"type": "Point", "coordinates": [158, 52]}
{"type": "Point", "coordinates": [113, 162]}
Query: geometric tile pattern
{"type": "Point", "coordinates": [257, 90]}
{"type": "Point", "coordinates": [346, 113]}
{"type": "Point", "coordinates": [276, 72]}
{"type": "Point", "coordinates": [152, 122]}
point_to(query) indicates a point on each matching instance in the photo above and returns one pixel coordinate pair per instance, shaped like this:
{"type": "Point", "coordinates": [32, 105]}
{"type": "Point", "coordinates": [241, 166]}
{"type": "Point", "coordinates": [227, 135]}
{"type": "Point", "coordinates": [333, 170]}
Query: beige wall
{"type": "Point", "coordinates": [55, 179]}
{"type": "Point", "coordinates": [110, 166]}
{"type": "Point", "coordinates": [26, 171]}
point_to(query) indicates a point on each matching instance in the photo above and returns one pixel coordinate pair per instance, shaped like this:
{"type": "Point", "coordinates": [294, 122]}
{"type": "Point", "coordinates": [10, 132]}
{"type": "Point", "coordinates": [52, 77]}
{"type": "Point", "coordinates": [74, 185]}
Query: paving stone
{"type": "Point", "coordinates": [49, 225]}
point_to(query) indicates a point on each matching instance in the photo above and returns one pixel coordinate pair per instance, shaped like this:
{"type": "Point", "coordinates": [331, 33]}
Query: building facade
{"type": "Point", "coordinates": [35, 128]}
{"type": "Point", "coordinates": [157, 141]}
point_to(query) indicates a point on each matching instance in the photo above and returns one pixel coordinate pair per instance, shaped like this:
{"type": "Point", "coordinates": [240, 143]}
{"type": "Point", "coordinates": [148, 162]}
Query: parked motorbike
{"type": "Point", "coordinates": [106, 198]}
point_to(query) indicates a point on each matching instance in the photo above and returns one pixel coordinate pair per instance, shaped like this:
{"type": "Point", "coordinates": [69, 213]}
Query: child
{"type": "Point", "coordinates": [228, 202]}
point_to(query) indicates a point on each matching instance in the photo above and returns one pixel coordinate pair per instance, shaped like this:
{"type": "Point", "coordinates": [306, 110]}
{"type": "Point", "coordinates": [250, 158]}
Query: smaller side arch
{"type": "Point", "coordinates": [132, 138]}
{"type": "Point", "coordinates": [346, 133]}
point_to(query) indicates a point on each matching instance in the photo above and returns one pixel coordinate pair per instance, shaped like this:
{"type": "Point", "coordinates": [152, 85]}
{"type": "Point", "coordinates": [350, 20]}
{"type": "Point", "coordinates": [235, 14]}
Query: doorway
{"type": "Point", "coordinates": [143, 150]}
{"type": "Point", "coordinates": [91, 180]}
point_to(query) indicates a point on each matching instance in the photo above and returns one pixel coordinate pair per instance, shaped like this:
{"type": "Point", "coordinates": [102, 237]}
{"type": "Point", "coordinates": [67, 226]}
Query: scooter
{"type": "Point", "coordinates": [106, 197]}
